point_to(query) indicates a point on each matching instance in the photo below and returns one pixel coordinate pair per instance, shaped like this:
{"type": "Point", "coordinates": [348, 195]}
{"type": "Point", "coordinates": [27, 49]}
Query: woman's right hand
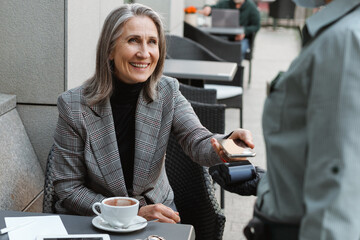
{"type": "Point", "coordinates": [159, 211]}
{"type": "Point", "coordinates": [241, 134]}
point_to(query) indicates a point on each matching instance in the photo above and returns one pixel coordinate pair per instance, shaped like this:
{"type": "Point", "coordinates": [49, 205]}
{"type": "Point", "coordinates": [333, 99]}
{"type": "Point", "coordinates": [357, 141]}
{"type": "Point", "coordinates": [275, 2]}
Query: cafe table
{"type": "Point", "coordinates": [82, 225]}
{"type": "Point", "coordinates": [200, 70]}
{"type": "Point", "coordinates": [223, 30]}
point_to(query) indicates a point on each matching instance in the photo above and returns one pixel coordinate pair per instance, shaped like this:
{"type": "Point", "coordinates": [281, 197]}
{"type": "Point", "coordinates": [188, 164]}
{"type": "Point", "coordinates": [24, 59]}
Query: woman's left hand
{"type": "Point", "coordinates": [242, 134]}
{"type": "Point", "coordinates": [239, 37]}
{"type": "Point", "coordinates": [159, 211]}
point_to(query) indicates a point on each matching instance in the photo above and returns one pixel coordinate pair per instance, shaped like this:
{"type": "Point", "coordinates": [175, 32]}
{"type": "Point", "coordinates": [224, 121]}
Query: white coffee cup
{"type": "Point", "coordinates": [117, 211]}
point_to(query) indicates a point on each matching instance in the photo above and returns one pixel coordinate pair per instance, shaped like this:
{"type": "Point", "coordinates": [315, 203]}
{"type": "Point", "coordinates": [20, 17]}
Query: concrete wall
{"type": "Point", "coordinates": [47, 47]}
{"type": "Point", "coordinates": [40, 122]}
{"type": "Point", "coordinates": [84, 22]}
{"type": "Point", "coordinates": [21, 179]}
{"type": "Point", "coordinates": [172, 12]}
{"type": "Point", "coordinates": [32, 50]}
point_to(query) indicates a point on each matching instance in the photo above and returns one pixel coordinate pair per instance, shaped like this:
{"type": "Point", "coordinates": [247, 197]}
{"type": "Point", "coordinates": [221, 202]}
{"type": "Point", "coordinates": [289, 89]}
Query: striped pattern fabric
{"type": "Point", "coordinates": [87, 166]}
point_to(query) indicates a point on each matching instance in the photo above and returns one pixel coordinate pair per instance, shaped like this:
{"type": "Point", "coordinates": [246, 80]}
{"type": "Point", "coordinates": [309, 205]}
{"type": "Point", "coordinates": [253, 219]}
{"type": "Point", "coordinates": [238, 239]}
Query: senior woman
{"type": "Point", "coordinates": [112, 131]}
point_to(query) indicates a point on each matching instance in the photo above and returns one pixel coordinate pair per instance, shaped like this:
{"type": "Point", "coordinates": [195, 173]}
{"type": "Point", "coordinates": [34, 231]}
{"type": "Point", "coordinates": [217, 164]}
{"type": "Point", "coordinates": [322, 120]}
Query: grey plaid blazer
{"type": "Point", "coordinates": [87, 166]}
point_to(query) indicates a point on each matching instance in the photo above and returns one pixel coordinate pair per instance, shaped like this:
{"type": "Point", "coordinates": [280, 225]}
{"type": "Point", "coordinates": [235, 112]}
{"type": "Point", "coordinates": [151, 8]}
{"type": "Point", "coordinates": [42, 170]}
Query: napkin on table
{"type": "Point", "coordinates": [42, 225]}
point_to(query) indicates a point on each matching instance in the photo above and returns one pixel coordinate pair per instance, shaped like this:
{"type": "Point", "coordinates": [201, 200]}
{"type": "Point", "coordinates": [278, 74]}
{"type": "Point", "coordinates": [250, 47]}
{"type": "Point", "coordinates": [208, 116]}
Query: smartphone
{"type": "Point", "coordinates": [75, 237]}
{"type": "Point", "coordinates": [236, 148]}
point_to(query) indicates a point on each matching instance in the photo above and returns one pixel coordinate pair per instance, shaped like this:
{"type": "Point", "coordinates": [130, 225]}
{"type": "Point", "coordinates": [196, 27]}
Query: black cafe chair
{"type": "Point", "coordinates": [192, 185]}
{"type": "Point", "coordinates": [227, 50]}
{"type": "Point", "coordinates": [201, 95]}
{"type": "Point", "coordinates": [182, 48]}
{"type": "Point", "coordinates": [196, 94]}
{"type": "Point", "coordinates": [50, 197]}
{"type": "Point", "coordinates": [228, 93]}
{"type": "Point", "coordinates": [249, 54]}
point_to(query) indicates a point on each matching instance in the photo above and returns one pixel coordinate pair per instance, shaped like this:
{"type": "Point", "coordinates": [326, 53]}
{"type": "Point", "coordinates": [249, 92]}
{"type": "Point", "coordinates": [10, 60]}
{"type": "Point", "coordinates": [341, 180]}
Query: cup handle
{"type": "Point", "coordinates": [94, 208]}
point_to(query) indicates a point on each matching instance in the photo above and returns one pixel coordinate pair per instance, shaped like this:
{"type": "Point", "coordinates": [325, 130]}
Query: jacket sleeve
{"type": "Point", "coordinates": [192, 136]}
{"type": "Point", "coordinates": [331, 182]}
{"type": "Point", "coordinates": [69, 167]}
{"type": "Point", "coordinates": [221, 4]}
{"type": "Point", "coordinates": [254, 22]}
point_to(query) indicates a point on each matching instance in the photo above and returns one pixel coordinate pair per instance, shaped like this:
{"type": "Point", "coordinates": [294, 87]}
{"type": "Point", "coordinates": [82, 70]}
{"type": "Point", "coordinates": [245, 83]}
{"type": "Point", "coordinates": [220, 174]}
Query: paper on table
{"type": "Point", "coordinates": [42, 225]}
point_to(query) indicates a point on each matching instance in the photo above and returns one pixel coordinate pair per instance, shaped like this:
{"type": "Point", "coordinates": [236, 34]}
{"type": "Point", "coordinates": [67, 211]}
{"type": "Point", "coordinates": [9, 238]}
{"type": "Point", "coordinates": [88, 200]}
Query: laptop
{"type": "Point", "coordinates": [225, 18]}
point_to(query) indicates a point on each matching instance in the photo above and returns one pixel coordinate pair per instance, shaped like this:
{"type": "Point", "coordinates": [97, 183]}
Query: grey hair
{"type": "Point", "coordinates": [100, 86]}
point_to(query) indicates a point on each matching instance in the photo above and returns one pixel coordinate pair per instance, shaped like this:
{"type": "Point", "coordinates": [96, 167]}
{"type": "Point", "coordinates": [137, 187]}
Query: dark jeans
{"type": "Point", "coordinates": [264, 228]}
{"type": "Point", "coordinates": [245, 46]}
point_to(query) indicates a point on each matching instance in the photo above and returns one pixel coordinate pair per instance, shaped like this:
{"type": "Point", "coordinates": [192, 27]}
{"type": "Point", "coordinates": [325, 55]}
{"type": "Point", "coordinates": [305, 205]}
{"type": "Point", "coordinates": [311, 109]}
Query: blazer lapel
{"type": "Point", "coordinates": [147, 126]}
{"type": "Point", "coordinates": [101, 130]}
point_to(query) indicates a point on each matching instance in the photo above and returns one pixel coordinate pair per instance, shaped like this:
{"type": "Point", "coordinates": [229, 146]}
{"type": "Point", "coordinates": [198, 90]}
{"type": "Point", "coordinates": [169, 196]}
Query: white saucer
{"type": "Point", "coordinates": [101, 224]}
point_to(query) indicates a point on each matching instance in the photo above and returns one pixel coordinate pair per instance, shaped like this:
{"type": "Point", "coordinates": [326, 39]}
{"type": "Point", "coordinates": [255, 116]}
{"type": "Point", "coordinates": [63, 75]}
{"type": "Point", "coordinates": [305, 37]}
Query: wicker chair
{"type": "Point", "coordinates": [193, 186]}
{"type": "Point", "coordinates": [204, 96]}
{"type": "Point", "coordinates": [196, 94]}
{"type": "Point", "coordinates": [228, 93]}
{"type": "Point", "coordinates": [49, 193]}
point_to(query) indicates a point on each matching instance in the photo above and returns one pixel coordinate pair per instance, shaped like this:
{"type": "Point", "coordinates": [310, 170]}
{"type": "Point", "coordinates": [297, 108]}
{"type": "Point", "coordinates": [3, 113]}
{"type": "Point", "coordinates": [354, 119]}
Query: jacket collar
{"type": "Point", "coordinates": [332, 12]}
{"type": "Point", "coordinates": [102, 109]}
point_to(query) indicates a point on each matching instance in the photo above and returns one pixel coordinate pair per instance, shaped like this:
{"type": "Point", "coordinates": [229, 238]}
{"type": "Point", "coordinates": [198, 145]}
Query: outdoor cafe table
{"type": "Point", "coordinates": [82, 225]}
{"type": "Point", "coordinates": [223, 30]}
{"type": "Point", "coordinates": [196, 69]}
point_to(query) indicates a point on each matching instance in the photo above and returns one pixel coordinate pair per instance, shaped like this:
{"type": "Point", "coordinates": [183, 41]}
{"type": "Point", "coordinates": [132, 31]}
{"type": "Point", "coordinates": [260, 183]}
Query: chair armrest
{"type": "Point", "coordinates": [198, 94]}
{"type": "Point", "coordinates": [185, 48]}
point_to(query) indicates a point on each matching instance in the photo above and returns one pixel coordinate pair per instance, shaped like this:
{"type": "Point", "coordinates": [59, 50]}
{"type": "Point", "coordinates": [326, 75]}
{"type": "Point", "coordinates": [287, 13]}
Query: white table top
{"type": "Point", "coordinates": [223, 30]}
{"type": "Point", "coordinates": [202, 70]}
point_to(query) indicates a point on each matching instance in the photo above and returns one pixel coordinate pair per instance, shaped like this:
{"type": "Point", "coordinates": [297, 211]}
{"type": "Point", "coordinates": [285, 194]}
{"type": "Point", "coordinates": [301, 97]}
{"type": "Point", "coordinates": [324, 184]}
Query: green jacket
{"type": "Point", "coordinates": [249, 14]}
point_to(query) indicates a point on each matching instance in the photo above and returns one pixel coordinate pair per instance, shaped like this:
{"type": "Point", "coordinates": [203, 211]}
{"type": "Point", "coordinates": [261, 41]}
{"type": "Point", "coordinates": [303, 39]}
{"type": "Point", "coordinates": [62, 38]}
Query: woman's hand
{"type": "Point", "coordinates": [239, 37]}
{"type": "Point", "coordinates": [242, 134]}
{"type": "Point", "coordinates": [159, 211]}
{"type": "Point", "coordinates": [205, 11]}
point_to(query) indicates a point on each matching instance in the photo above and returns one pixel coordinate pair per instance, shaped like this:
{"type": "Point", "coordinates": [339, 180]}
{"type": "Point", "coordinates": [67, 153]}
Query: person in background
{"type": "Point", "coordinates": [249, 19]}
{"type": "Point", "coordinates": [112, 131]}
{"type": "Point", "coordinates": [311, 131]}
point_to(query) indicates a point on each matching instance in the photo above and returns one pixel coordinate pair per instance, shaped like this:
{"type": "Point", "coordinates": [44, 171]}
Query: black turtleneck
{"type": "Point", "coordinates": [123, 104]}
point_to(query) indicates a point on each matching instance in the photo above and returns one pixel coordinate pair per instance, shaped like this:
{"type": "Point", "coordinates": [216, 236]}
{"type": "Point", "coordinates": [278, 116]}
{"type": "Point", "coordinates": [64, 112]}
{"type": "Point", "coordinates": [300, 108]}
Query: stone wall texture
{"type": "Point", "coordinates": [22, 178]}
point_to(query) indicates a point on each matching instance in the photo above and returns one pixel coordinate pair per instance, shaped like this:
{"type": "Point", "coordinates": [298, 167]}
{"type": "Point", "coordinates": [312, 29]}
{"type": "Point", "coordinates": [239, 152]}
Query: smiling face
{"type": "Point", "coordinates": [137, 50]}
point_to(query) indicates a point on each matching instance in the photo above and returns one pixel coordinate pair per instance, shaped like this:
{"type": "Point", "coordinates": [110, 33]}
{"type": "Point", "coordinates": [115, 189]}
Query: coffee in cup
{"type": "Point", "coordinates": [117, 211]}
{"type": "Point", "coordinates": [119, 202]}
